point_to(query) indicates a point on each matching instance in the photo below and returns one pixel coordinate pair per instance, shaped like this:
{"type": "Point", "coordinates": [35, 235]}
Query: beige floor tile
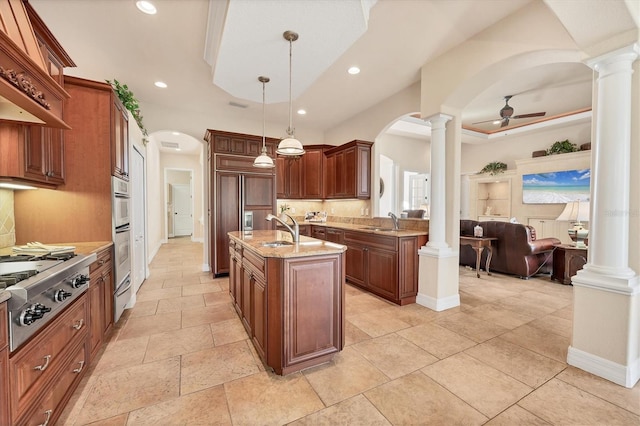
{"type": "Point", "coordinates": [217, 298]}
{"type": "Point", "coordinates": [499, 315]}
{"type": "Point", "coordinates": [351, 290]}
{"type": "Point", "coordinates": [207, 315]}
{"type": "Point", "coordinates": [470, 300]}
{"type": "Point", "coordinates": [394, 355]}
{"type": "Point", "coordinates": [363, 303]}
{"type": "Point", "coordinates": [490, 292]}
{"type": "Point", "coordinates": [551, 401]}
{"type": "Point", "coordinates": [152, 324]}
{"type": "Point", "coordinates": [378, 323]}
{"type": "Point", "coordinates": [142, 309]}
{"type": "Point", "coordinates": [120, 420]}
{"type": "Point", "coordinates": [181, 282]}
{"type": "Point", "coordinates": [415, 399]}
{"type": "Point", "coordinates": [189, 290]}
{"type": "Point", "coordinates": [522, 364]}
{"type": "Point", "coordinates": [353, 334]}
{"type": "Point", "coordinates": [347, 375]}
{"type": "Point", "coordinates": [546, 299]}
{"type": "Point", "coordinates": [228, 331]}
{"type": "Point", "coordinates": [214, 366]}
{"type": "Point", "coordinates": [628, 399]}
{"type": "Point", "coordinates": [516, 415]}
{"type": "Point", "coordinates": [180, 303]}
{"type": "Point", "coordinates": [179, 342]}
{"type": "Point", "coordinates": [268, 399]}
{"type": "Point", "coordinates": [545, 343]}
{"type": "Point", "coordinates": [207, 407]}
{"type": "Point", "coordinates": [526, 306]}
{"type": "Point", "coordinates": [437, 340]}
{"type": "Point", "coordinates": [479, 385]}
{"type": "Point", "coordinates": [473, 328]}
{"type": "Point", "coordinates": [566, 313]}
{"type": "Point", "coordinates": [554, 324]}
{"type": "Point", "coordinates": [157, 294]}
{"type": "Point", "coordinates": [151, 284]}
{"type": "Point", "coordinates": [413, 314]}
{"type": "Point", "coordinates": [351, 412]}
{"type": "Point", "coordinates": [128, 389]}
{"type": "Point", "coordinates": [122, 354]}
{"type": "Point", "coordinates": [73, 408]}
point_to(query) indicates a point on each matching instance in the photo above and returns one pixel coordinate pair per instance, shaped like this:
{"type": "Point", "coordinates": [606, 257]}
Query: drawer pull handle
{"type": "Point", "coordinates": [79, 324]}
{"type": "Point", "coordinates": [101, 262]}
{"type": "Point", "coordinates": [44, 366]}
{"type": "Point", "coordinates": [79, 369]}
{"type": "Point", "coordinates": [48, 414]}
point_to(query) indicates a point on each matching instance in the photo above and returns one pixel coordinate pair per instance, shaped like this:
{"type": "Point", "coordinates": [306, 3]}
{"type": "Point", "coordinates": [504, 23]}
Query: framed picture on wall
{"type": "Point", "coordinates": [556, 187]}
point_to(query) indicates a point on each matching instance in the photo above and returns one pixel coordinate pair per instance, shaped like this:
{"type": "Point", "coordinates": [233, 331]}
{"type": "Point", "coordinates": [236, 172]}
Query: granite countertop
{"type": "Point", "coordinates": [367, 228]}
{"type": "Point", "coordinates": [81, 248]}
{"type": "Point", "coordinates": [307, 246]}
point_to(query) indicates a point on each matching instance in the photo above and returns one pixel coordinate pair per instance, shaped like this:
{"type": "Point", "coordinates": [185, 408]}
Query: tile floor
{"type": "Point", "coordinates": [181, 356]}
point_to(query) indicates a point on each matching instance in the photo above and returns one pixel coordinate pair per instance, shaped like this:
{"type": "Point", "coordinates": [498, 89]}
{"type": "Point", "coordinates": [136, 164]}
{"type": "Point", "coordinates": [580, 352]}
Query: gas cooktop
{"type": "Point", "coordinates": [16, 268]}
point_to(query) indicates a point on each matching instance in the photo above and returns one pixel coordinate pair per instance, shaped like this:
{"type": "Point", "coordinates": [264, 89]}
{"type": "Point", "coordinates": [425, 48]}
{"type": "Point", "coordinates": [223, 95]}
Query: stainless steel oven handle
{"type": "Point", "coordinates": [44, 366]}
{"type": "Point", "coordinates": [122, 290]}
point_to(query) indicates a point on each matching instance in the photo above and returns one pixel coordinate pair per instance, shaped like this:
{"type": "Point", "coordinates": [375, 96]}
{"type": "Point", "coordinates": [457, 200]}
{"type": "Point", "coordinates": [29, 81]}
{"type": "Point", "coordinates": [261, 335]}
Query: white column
{"type": "Point", "coordinates": [607, 291]}
{"type": "Point", "coordinates": [437, 218]}
{"type": "Point", "coordinates": [610, 183]}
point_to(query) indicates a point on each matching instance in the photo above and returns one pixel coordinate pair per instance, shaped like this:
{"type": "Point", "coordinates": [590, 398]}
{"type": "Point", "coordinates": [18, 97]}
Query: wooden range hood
{"type": "Point", "coordinates": [28, 93]}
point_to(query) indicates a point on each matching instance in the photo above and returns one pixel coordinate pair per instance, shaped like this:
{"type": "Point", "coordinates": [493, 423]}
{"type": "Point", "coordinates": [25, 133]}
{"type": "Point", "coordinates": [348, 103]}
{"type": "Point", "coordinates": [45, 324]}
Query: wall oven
{"type": "Point", "coordinates": [122, 245]}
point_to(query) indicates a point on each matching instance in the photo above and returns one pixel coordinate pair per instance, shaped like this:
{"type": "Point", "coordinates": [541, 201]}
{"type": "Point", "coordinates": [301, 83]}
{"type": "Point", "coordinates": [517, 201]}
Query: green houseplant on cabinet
{"type": "Point", "coordinates": [130, 102]}
{"type": "Point", "coordinates": [561, 147]}
{"type": "Point", "coordinates": [494, 168]}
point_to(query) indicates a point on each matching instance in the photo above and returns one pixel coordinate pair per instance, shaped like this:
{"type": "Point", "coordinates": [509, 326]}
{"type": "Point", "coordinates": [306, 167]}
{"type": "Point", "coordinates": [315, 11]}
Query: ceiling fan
{"type": "Point", "coordinates": [506, 114]}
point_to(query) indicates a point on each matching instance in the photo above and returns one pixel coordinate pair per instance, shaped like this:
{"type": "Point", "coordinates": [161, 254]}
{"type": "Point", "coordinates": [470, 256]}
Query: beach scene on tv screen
{"type": "Point", "coordinates": [556, 187]}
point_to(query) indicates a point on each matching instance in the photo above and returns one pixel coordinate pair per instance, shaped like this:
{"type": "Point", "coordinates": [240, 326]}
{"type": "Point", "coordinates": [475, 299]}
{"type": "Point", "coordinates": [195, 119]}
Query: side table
{"type": "Point", "coordinates": [567, 261]}
{"type": "Point", "coordinates": [478, 244]}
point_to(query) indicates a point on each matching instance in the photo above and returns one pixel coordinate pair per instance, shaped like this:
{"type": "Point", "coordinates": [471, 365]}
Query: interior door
{"type": "Point", "coordinates": [138, 224]}
{"type": "Point", "coordinates": [182, 210]}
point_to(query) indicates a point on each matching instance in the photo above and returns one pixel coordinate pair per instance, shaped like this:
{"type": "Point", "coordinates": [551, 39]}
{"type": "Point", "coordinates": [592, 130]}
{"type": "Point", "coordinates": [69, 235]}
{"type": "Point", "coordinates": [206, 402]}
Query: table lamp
{"type": "Point", "coordinates": [576, 212]}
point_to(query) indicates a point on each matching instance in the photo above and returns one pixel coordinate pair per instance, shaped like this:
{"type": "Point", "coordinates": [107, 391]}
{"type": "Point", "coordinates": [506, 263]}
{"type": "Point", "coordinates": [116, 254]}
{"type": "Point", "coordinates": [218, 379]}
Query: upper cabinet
{"type": "Point", "coordinates": [348, 171]}
{"type": "Point", "coordinates": [119, 139]}
{"type": "Point", "coordinates": [301, 177]}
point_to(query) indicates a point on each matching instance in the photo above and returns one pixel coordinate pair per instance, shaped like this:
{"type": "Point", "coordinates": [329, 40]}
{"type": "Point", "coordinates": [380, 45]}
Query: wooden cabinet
{"type": "Point", "coordinates": [39, 378]}
{"type": "Point", "coordinates": [567, 261]}
{"type": "Point", "coordinates": [319, 232]}
{"type": "Point", "coordinates": [237, 188]}
{"type": "Point", "coordinates": [295, 307]}
{"type": "Point", "coordinates": [334, 235]}
{"type": "Point", "coordinates": [119, 140]}
{"type": "Point", "coordinates": [383, 264]}
{"type": "Point", "coordinates": [4, 366]}
{"type": "Point", "coordinates": [348, 171]}
{"type": "Point", "coordinates": [100, 295]}
{"type": "Point", "coordinates": [301, 177]}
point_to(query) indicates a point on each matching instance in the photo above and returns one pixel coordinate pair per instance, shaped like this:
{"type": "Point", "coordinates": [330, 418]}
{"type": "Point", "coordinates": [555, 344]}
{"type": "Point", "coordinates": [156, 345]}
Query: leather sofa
{"type": "Point", "coordinates": [516, 250]}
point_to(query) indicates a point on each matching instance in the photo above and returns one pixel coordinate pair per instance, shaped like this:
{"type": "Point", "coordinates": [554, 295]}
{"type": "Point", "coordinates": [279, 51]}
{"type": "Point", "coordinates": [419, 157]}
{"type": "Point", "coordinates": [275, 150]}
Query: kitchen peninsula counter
{"type": "Point", "coordinates": [289, 298]}
{"type": "Point", "coordinates": [372, 229]}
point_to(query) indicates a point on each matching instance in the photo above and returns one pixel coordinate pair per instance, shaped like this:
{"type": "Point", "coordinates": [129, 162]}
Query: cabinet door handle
{"type": "Point", "coordinates": [79, 369]}
{"type": "Point", "coordinates": [79, 324]}
{"type": "Point", "coordinates": [101, 262]}
{"type": "Point", "coordinates": [44, 366]}
{"type": "Point", "coordinates": [46, 421]}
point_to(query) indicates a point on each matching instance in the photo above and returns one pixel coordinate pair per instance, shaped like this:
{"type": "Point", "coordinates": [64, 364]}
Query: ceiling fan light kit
{"type": "Point", "coordinates": [290, 146]}
{"type": "Point", "coordinates": [506, 114]}
{"type": "Point", "coordinates": [263, 160]}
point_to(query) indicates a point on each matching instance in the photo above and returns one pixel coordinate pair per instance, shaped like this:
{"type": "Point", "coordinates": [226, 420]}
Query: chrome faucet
{"type": "Point", "coordinates": [295, 231]}
{"type": "Point", "coordinates": [393, 217]}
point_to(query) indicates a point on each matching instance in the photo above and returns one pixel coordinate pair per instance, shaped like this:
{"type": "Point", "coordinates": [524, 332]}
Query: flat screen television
{"type": "Point", "coordinates": [556, 187]}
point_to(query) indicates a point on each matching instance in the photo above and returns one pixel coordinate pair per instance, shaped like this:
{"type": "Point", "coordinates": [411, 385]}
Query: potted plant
{"type": "Point", "coordinates": [561, 147]}
{"type": "Point", "coordinates": [494, 168]}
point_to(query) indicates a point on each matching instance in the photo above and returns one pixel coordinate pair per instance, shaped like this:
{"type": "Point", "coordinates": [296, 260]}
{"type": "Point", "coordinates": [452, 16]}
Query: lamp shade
{"type": "Point", "coordinates": [263, 160]}
{"type": "Point", "coordinates": [575, 211]}
{"type": "Point", "coordinates": [290, 146]}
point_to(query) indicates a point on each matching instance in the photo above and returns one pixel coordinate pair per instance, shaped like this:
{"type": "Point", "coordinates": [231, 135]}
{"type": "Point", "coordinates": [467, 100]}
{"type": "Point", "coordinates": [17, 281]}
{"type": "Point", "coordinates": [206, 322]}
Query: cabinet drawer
{"type": "Point", "coordinates": [4, 338]}
{"type": "Point", "coordinates": [50, 406]}
{"type": "Point", "coordinates": [103, 260]}
{"type": "Point", "coordinates": [254, 262]}
{"type": "Point", "coordinates": [371, 240]}
{"type": "Point", "coordinates": [318, 232]}
{"type": "Point", "coordinates": [33, 366]}
{"type": "Point", "coordinates": [334, 235]}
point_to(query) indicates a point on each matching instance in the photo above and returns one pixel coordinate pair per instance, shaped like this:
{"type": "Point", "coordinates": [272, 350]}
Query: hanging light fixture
{"type": "Point", "coordinates": [263, 160]}
{"type": "Point", "coordinates": [290, 146]}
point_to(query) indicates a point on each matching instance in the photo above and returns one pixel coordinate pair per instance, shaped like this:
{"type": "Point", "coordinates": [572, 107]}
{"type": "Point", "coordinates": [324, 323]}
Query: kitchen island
{"type": "Point", "coordinates": [289, 296]}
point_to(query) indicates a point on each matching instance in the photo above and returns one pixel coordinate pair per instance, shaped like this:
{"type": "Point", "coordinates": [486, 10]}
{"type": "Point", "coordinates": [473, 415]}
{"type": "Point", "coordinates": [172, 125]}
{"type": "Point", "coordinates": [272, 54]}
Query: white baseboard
{"type": "Point", "coordinates": [205, 267]}
{"type": "Point", "coordinates": [438, 304]}
{"type": "Point", "coordinates": [622, 375]}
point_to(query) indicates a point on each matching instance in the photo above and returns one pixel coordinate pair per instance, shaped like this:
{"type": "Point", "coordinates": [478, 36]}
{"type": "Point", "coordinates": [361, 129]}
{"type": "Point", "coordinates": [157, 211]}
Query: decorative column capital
{"type": "Point", "coordinates": [438, 120]}
{"type": "Point", "coordinates": [603, 62]}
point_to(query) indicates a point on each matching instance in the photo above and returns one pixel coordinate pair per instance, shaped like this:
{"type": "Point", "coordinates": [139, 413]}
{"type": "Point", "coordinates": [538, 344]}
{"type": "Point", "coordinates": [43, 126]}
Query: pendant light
{"type": "Point", "coordinates": [263, 160]}
{"type": "Point", "coordinates": [290, 146]}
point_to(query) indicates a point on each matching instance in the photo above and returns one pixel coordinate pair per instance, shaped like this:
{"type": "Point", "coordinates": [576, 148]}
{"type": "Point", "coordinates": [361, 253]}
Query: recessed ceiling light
{"type": "Point", "coordinates": [161, 84]}
{"type": "Point", "coordinates": [146, 7]}
{"type": "Point", "coordinates": [302, 112]}
{"type": "Point", "coordinates": [178, 149]}
{"type": "Point", "coordinates": [175, 133]}
{"type": "Point", "coordinates": [353, 70]}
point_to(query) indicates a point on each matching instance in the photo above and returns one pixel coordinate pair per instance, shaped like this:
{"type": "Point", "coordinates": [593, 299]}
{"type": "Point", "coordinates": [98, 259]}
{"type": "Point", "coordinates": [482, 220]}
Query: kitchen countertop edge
{"type": "Point", "coordinates": [307, 246]}
{"type": "Point", "coordinates": [363, 228]}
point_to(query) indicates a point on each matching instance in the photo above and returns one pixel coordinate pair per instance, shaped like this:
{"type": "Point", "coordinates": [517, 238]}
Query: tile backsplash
{"type": "Point", "coordinates": [7, 219]}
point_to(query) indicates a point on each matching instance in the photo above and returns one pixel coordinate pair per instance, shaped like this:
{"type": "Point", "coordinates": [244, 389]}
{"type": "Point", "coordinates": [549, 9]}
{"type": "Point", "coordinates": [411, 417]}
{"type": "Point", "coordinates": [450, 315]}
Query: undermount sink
{"type": "Point", "coordinates": [279, 243]}
{"type": "Point", "coordinates": [377, 228]}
